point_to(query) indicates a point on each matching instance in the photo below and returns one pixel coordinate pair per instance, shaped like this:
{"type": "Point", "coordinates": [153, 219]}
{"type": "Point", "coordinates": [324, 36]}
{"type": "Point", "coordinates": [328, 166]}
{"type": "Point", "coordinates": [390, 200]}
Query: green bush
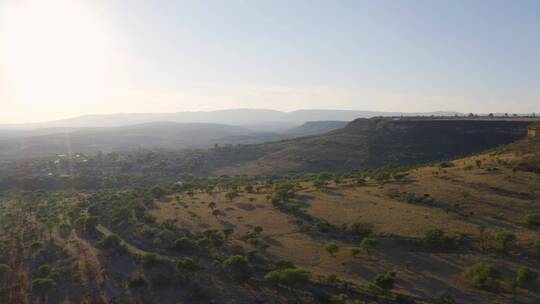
{"type": "Point", "coordinates": [110, 242]}
{"type": "Point", "coordinates": [288, 277]}
{"type": "Point", "coordinates": [44, 270]}
{"type": "Point", "coordinates": [524, 277]}
{"type": "Point", "coordinates": [481, 275]}
{"type": "Point", "coordinates": [355, 252]}
{"type": "Point", "coordinates": [332, 248]}
{"type": "Point", "coordinates": [368, 243]}
{"type": "Point", "coordinates": [187, 266]}
{"type": "Point", "coordinates": [436, 238]}
{"type": "Point", "coordinates": [238, 267]}
{"type": "Point", "coordinates": [64, 229]}
{"type": "Point", "coordinates": [150, 260]}
{"type": "Point", "coordinates": [384, 281]}
{"type": "Point", "coordinates": [504, 240]}
{"type": "Point", "coordinates": [184, 244]}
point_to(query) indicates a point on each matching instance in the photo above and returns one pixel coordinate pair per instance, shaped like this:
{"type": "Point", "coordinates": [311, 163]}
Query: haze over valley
{"type": "Point", "coordinates": [220, 152]}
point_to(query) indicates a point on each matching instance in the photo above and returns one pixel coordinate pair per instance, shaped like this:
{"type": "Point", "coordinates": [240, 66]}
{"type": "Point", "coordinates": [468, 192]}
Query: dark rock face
{"type": "Point", "coordinates": [374, 143]}
{"type": "Point", "coordinates": [411, 142]}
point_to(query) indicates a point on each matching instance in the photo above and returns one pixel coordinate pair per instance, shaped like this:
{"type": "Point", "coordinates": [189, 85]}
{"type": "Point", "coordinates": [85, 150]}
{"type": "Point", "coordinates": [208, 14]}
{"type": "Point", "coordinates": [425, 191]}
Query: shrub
{"type": "Point", "coordinates": [332, 248]}
{"type": "Point", "coordinates": [187, 266]}
{"type": "Point", "coordinates": [355, 252]}
{"type": "Point", "coordinates": [357, 229]}
{"type": "Point", "coordinates": [368, 243]}
{"type": "Point", "coordinates": [158, 192]}
{"type": "Point", "coordinates": [64, 229]}
{"type": "Point", "coordinates": [288, 277]}
{"type": "Point", "coordinates": [504, 240]}
{"type": "Point", "coordinates": [258, 229]}
{"type": "Point", "coordinates": [436, 238]}
{"type": "Point", "coordinates": [524, 277]}
{"type": "Point", "coordinates": [238, 267]}
{"type": "Point", "coordinates": [481, 275]}
{"type": "Point", "coordinates": [230, 195]}
{"type": "Point", "coordinates": [110, 242]}
{"type": "Point", "coordinates": [151, 260]}
{"type": "Point", "coordinates": [384, 281]}
{"type": "Point", "coordinates": [183, 244]}
{"type": "Point", "coordinates": [44, 270]}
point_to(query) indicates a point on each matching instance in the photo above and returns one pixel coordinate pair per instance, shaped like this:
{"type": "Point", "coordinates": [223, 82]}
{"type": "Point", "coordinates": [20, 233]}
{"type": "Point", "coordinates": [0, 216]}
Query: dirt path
{"type": "Point", "coordinates": [89, 268]}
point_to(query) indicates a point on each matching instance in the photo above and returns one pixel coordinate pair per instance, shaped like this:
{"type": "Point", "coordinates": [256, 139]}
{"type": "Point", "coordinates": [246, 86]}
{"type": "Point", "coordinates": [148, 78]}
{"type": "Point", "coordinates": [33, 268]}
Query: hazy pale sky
{"type": "Point", "coordinates": [61, 58]}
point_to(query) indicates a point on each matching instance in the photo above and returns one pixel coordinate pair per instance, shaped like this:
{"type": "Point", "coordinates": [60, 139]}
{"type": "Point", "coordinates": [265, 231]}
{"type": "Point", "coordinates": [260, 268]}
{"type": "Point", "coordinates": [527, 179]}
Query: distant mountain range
{"type": "Point", "coordinates": [255, 119]}
{"type": "Point", "coordinates": [17, 144]}
{"type": "Point", "coordinates": [122, 132]}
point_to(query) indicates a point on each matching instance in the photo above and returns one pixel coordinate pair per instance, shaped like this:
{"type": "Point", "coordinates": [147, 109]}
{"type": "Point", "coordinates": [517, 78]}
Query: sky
{"type": "Point", "coordinates": [64, 58]}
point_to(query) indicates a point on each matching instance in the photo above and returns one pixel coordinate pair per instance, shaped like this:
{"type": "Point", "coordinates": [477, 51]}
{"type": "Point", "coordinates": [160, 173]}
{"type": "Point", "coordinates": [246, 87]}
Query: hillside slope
{"type": "Point", "coordinates": [372, 143]}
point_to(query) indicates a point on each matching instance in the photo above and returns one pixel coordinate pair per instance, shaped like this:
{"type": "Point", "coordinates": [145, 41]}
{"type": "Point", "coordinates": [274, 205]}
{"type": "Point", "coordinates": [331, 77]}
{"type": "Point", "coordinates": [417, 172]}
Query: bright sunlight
{"type": "Point", "coordinates": [53, 50]}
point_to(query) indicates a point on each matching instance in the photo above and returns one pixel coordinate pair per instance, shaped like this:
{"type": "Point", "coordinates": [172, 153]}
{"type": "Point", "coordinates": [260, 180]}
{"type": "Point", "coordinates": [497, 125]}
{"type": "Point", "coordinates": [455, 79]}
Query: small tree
{"type": "Point", "coordinates": [258, 230]}
{"type": "Point", "coordinates": [230, 195]}
{"type": "Point", "coordinates": [481, 275]}
{"type": "Point", "coordinates": [238, 268]}
{"type": "Point", "coordinates": [524, 277]}
{"type": "Point", "coordinates": [504, 240]}
{"type": "Point", "coordinates": [112, 242]}
{"type": "Point", "coordinates": [332, 248]}
{"type": "Point", "coordinates": [384, 281]}
{"type": "Point", "coordinates": [186, 267]}
{"type": "Point", "coordinates": [151, 260]}
{"type": "Point", "coordinates": [212, 205]}
{"type": "Point", "coordinates": [289, 277]}
{"type": "Point", "coordinates": [158, 192]}
{"type": "Point", "coordinates": [183, 244]}
{"type": "Point", "coordinates": [368, 243]}
{"type": "Point", "coordinates": [216, 213]}
{"type": "Point", "coordinates": [64, 229]}
{"type": "Point", "coordinates": [227, 232]}
{"type": "Point", "coordinates": [436, 238]}
{"type": "Point", "coordinates": [44, 270]}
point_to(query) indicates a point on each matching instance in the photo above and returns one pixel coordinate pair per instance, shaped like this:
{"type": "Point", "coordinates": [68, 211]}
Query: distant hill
{"type": "Point", "coordinates": [316, 127]}
{"type": "Point", "coordinates": [17, 144]}
{"type": "Point", "coordinates": [256, 119]}
{"type": "Point", "coordinates": [91, 140]}
{"type": "Point", "coordinates": [372, 143]}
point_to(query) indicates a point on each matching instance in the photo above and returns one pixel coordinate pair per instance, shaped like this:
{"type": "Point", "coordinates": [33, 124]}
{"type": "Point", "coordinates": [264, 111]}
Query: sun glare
{"type": "Point", "coordinates": [53, 50]}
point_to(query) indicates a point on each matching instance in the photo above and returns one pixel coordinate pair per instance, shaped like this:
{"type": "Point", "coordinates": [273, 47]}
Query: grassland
{"type": "Point", "coordinates": [423, 227]}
